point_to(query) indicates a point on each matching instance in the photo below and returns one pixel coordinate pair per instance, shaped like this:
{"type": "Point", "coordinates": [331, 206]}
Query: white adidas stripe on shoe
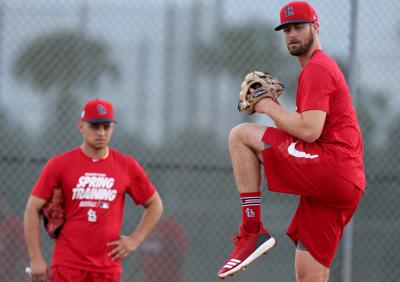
{"type": "Point", "coordinates": [236, 265]}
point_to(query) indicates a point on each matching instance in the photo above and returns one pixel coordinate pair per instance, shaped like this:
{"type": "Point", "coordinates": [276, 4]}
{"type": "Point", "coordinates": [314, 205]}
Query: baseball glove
{"type": "Point", "coordinates": [256, 86]}
{"type": "Point", "coordinates": [53, 213]}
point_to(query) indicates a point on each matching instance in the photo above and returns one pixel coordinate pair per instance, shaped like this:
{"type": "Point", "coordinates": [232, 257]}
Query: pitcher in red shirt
{"type": "Point", "coordinates": [94, 179]}
{"type": "Point", "coordinates": [315, 152]}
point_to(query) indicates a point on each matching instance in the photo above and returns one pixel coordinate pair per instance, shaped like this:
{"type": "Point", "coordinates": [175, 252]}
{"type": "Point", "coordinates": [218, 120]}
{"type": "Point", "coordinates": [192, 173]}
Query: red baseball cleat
{"type": "Point", "coordinates": [248, 247]}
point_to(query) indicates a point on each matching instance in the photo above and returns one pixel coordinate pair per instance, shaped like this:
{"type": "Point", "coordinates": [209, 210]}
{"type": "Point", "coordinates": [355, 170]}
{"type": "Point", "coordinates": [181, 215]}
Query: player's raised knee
{"type": "Point", "coordinates": [238, 132]}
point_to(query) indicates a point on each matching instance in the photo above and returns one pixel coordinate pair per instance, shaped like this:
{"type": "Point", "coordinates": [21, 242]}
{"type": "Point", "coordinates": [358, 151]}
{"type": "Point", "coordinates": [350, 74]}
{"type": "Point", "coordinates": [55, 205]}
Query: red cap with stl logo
{"type": "Point", "coordinates": [97, 111]}
{"type": "Point", "coordinates": [297, 12]}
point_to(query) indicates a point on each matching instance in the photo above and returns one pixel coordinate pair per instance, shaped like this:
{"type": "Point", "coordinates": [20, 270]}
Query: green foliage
{"type": "Point", "coordinates": [241, 49]}
{"type": "Point", "coordinates": [64, 59]}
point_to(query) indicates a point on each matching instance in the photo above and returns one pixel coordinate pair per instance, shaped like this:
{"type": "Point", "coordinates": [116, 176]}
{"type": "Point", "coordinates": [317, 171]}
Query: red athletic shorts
{"type": "Point", "coordinates": [327, 201]}
{"type": "Point", "coordinates": [61, 273]}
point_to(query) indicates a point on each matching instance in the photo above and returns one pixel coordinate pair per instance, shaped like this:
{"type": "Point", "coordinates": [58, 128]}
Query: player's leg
{"type": "Point", "coordinates": [317, 228]}
{"type": "Point", "coordinates": [308, 269]}
{"type": "Point", "coordinates": [245, 148]}
{"type": "Point", "coordinates": [327, 202]}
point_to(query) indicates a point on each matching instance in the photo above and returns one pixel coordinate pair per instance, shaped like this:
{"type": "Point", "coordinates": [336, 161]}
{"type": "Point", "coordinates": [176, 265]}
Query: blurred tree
{"type": "Point", "coordinates": [237, 50]}
{"type": "Point", "coordinates": [64, 62]}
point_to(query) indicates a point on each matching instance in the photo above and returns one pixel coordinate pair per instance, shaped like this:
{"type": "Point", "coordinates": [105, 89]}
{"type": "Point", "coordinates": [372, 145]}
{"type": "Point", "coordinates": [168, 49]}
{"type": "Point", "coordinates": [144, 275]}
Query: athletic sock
{"type": "Point", "coordinates": [251, 211]}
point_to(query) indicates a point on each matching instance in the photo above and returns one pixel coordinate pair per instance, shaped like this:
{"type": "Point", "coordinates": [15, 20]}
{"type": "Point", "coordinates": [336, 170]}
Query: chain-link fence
{"type": "Point", "coordinates": [172, 70]}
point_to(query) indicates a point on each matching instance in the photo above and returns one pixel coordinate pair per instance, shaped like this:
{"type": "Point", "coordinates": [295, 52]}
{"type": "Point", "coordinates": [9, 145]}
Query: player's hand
{"type": "Point", "coordinates": [263, 104]}
{"type": "Point", "coordinates": [39, 271]}
{"type": "Point", "coordinates": [123, 247]}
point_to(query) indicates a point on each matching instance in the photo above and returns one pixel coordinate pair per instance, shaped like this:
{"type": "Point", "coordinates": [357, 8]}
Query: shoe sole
{"type": "Point", "coordinates": [261, 250]}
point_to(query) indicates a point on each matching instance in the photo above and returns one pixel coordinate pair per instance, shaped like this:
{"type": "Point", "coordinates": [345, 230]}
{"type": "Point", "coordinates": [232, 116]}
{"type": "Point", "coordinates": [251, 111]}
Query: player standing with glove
{"type": "Point", "coordinates": [94, 179]}
{"type": "Point", "coordinates": [315, 152]}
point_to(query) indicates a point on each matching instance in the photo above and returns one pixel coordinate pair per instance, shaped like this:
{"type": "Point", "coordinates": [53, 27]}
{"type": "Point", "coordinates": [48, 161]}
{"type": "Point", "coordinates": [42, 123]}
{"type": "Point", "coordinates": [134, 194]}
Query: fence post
{"type": "Point", "coordinates": [348, 234]}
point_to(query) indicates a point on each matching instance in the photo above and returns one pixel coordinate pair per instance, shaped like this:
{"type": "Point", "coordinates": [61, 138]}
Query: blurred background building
{"type": "Point", "coordinates": [173, 69]}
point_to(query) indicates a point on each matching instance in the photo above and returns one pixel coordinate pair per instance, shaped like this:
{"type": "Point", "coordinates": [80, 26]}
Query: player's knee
{"type": "Point", "coordinates": [237, 133]}
{"type": "Point", "coordinates": [306, 274]}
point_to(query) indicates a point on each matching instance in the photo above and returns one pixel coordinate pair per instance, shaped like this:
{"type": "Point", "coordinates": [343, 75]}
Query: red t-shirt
{"type": "Point", "coordinates": [322, 86]}
{"type": "Point", "coordinates": [94, 193]}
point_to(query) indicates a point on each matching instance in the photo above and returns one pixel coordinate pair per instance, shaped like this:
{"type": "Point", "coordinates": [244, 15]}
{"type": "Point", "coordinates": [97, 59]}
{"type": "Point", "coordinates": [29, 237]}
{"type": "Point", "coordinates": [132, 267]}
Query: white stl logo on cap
{"type": "Point", "coordinates": [101, 110]}
{"type": "Point", "coordinates": [289, 11]}
{"type": "Point", "coordinates": [83, 114]}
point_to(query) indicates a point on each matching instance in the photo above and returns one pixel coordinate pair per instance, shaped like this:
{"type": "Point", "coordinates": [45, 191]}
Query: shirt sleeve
{"type": "Point", "coordinates": [47, 180]}
{"type": "Point", "coordinates": [140, 188]}
{"type": "Point", "coordinates": [315, 88]}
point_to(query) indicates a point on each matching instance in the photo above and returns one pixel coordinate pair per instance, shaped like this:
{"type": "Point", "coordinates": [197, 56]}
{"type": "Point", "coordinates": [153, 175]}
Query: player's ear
{"type": "Point", "coordinates": [79, 125]}
{"type": "Point", "coordinates": [315, 28]}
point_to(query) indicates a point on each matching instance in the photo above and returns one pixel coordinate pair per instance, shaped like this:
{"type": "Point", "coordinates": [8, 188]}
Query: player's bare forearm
{"type": "Point", "coordinates": [151, 215]}
{"type": "Point", "coordinates": [128, 244]}
{"type": "Point", "coordinates": [32, 227]}
{"type": "Point", "coordinates": [307, 125]}
{"type": "Point", "coordinates": [38, 265]}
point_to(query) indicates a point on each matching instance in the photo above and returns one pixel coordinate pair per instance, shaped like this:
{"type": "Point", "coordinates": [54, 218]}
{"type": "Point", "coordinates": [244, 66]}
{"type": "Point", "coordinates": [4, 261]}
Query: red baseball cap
{"type": "Point", "coordinates": [297, 12]}
{"type": "Point", "coordinates": [98, 110]}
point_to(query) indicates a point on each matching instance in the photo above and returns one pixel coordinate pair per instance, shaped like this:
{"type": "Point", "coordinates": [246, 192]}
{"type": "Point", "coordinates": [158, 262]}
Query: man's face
{"type": "Point", "coordinates": [96, 135]}
{"type": "Point", "coordinates": [299, 38]}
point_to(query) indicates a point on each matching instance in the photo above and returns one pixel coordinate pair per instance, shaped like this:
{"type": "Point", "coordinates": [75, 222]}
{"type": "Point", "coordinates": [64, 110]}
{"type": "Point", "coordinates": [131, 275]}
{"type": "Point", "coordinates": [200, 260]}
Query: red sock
{"type": "Point", "coordinates": [251, 210]}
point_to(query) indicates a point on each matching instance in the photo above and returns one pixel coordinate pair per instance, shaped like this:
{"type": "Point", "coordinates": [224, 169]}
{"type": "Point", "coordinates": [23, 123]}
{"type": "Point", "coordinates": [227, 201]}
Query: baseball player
{"type": "Point", "coordinates": [315, 152]}
{"type": "Point", "coordinates": [94, 180]}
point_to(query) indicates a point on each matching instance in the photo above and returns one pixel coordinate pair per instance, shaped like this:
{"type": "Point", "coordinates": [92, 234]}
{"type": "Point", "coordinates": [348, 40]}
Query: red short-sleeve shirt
{"type": "Point", "coordinates": [94, 202]}
{"type": "Point", "coordinates": [322, 86]}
